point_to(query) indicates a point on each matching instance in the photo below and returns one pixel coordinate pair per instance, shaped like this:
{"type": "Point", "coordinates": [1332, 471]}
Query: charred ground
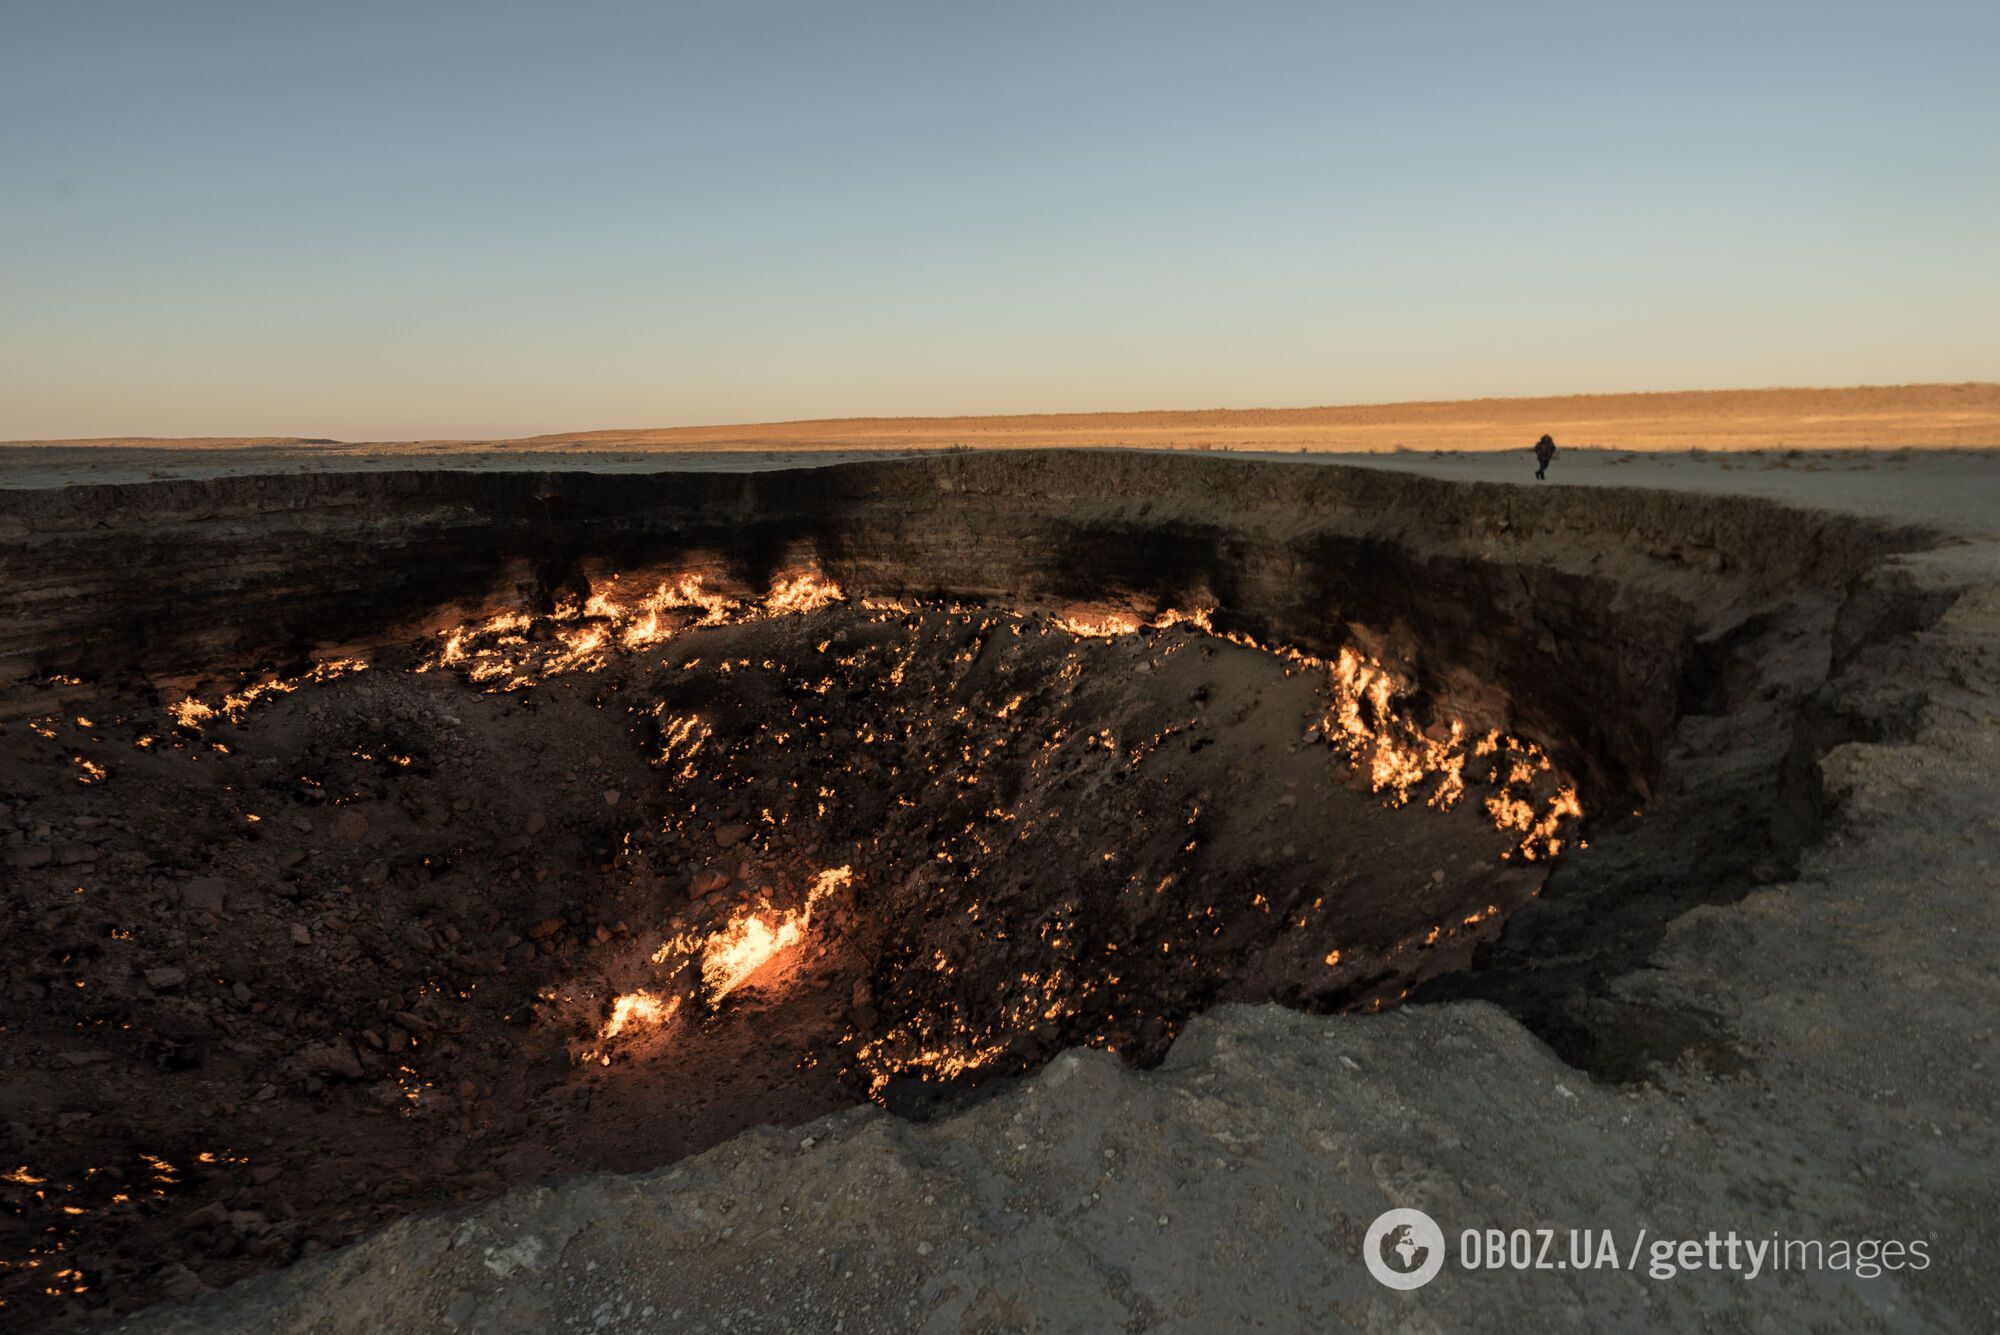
{"type": "Point", "coordinates": [357, 946]}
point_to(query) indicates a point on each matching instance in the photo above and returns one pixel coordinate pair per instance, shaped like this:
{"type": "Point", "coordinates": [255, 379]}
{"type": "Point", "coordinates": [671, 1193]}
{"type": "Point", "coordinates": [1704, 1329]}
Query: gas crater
{"type": "Point", "coordinates": [387, 839]}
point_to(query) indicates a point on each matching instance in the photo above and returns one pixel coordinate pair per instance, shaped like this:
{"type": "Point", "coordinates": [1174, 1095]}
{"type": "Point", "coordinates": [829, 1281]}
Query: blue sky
{"type": "Point", "coordinates": [384, 221]}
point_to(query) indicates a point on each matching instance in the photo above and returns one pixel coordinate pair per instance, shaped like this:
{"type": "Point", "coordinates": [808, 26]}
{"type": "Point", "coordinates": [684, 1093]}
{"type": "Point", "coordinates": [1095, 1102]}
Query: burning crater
{"type": "Point", "coordinates": [984, 835]}
{"type": "Point", "coordinates": [645, 840]}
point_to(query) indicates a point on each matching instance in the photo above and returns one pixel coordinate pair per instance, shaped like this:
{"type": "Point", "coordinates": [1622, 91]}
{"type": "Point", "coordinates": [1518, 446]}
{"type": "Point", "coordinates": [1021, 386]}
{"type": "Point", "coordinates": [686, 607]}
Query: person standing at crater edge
{"type": "Point", "coordinates": [1545, 450]}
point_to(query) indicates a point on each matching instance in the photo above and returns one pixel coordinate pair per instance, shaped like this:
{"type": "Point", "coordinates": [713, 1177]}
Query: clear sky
{"type": "Point", "coordinates": [378, 221]}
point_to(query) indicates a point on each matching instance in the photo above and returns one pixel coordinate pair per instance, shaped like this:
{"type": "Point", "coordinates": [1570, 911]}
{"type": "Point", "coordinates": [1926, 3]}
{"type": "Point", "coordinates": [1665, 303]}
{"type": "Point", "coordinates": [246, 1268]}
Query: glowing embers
{"type": "Point", "coordinates": [191, 713]}
{"type": "Point", "coordinates": [636, 1009]}
{"type": "Point", "coordinates": [1365, 725]}
{"type": "Point", "coordinates": [517, 649]}
{"type": "Point", "coordinates": [1100, 623]}
{"type": "Point", "coordinates": [944, 1043]}
{"type": "Point", "coordinates": [706, 964]}
{"type": "Point", "coordinates": [1369, 724]}
{"type": "Point", "coordinates": [49, 1208]}
{"type": "Point", "coordinates": [681, 740]}
{"type": "Point", "coordinates": [796, 594]}
{"type": "Point", "coordinates": [634, 1012]}
{"type": "Point", "coordinates": [751, 938]}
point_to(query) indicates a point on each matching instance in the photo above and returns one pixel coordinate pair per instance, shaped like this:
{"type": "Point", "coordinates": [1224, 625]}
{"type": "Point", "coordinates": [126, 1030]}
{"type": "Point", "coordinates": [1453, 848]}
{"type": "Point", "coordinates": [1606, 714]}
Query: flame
{"type": "Point", "coordinates": [497, 652]}
{"type": "Point", "coordinates": [191, 713]}
{"type": "Point", "coordinates": [643, 624]}
{"type": "Point", "coordinates": [751, 940]}
{"type": "Point", "coordinates": [802, 592]}
{"type": "Point", "coordinates": [1102, 623]}
{"type": "Point", "coordinates": [744, 947]}
{"type": "Point", "coordinates": [637, 1008]}
{"type": "Point", "coordinates": [1099, 625]}
{"type": "Point", "coordinates": [1365, 725]}
{"type": "Point", "coordinates": [681, 739]}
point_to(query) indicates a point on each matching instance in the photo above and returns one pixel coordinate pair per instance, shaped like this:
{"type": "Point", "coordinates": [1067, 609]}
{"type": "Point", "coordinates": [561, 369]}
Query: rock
{"type": "Point", "coordinates": [208, 1216]}
{"type": "Point", "coordinates": [611, 797]}
{"type": "Point", "coordinates": [204, 894]}
{"type": "Point", "coordinates": [336, 1058]}
{"type": "Point", "coordinates": [72, 854]}
{"type": "Point", "coordinates": [39, 856]}
{"type": "Point", "coordinates": [177, 1281]}
{"type": "Point", "coordinates": [535, 823]}
{"type": "Point", "coordinates": [251, 1222]}
{"type": "Point", "coordinates": [707, 881]}
{"type": "Point", "coordinates": [351, 825]}
{"type": "Point", "coordinates": [545, 929]}
{"type": "Point", "coordinates": [165, 978]}
{"type": "Point", "coordinates": [461, 1310]}
{"type": "Point", "coordinates": [728, 836]}
{"type": "Point", "coordinates": [301, 936]}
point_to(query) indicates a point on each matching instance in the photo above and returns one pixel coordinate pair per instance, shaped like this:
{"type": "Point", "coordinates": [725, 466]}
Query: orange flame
{"type": "Point", "coordinates": [750, 941]}
{"type": "Point", "coordinates": [754, 937]}
{"type": "Point", "coordinates": [637, 1008]}
{"type": "Point", "coordinates": [582, 635]}
{"type": "Point", "coordinates": [191, 713]}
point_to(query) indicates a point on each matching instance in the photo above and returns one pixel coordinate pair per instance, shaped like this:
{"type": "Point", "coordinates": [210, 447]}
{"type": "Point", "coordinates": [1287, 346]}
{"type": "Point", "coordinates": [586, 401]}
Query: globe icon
{"type": "Point", "coordinates": [1403, 1249]}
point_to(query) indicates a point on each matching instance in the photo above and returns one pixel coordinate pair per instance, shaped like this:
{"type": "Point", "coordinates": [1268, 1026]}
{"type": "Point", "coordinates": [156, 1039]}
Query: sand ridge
{"type": "Point", "coordinates": [1948, 415]}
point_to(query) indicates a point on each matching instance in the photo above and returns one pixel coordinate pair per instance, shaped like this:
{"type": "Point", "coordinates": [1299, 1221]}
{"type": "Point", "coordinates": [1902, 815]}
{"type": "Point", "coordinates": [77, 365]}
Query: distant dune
{"type": "Point", "coordinates": [1877, 416]}
{"type": "Point", "coordinates": [1717, 419]}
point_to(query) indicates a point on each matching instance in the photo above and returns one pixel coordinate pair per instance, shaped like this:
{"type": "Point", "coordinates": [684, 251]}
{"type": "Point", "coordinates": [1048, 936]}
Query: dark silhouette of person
{"type": "Point", "coordinates": [1545, 450]}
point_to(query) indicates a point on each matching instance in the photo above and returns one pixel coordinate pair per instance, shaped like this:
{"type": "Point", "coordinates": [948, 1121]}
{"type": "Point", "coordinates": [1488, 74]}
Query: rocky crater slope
{"type": "Point", "coordinates": [1690, 980]}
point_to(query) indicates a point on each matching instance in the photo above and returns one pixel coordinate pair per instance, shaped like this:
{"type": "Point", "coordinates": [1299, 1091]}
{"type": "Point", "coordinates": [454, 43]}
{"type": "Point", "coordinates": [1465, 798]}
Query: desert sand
{"type": "Point", "coordinates": [1864, 416]}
